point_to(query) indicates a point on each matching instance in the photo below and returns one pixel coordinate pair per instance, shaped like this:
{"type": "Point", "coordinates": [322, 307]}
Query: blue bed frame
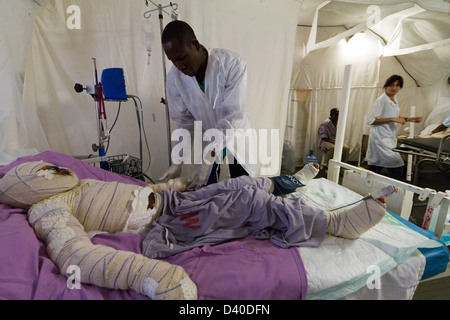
{"type": "Point", "coordinates": [437, 258]}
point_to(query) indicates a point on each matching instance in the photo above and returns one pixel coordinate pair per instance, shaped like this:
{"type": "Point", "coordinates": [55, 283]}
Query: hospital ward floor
{"type": "Point", "coordinates": [437, 289]}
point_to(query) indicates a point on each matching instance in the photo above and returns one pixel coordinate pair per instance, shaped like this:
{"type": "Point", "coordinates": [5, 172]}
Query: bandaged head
{"type": "Point", "coordinates": [31, 182]}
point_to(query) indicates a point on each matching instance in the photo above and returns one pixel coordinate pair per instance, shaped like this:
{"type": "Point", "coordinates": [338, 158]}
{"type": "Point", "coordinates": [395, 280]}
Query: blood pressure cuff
{"type": "Point", "coordinates": [285, 184]}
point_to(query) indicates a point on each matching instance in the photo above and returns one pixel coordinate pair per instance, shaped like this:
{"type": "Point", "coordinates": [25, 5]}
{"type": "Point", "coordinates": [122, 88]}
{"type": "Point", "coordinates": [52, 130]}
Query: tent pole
{"type": "Point", "coordinates": [333, 172]}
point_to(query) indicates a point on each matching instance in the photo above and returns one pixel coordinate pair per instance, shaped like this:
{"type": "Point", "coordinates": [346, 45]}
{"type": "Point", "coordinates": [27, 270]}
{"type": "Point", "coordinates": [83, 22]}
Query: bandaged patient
{"type": "Point", "coordinates": [62, 211]}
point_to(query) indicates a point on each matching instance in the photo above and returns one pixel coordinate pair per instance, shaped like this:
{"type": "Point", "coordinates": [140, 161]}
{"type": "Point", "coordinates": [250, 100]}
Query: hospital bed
{"type": "Point", "coordinates": [434, 150]}
{"type": "Point", "coordinates": [387, 262]}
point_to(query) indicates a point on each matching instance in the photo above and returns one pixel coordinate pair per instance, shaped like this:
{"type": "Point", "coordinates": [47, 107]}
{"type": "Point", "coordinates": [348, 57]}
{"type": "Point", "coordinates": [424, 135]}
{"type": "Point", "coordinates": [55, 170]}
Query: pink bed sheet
{"type": "Point", "coordinates": [243, 269]}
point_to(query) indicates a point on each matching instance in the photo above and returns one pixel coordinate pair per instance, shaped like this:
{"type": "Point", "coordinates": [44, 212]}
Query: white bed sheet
{"type": "Point", "coordinates": [342, 269]}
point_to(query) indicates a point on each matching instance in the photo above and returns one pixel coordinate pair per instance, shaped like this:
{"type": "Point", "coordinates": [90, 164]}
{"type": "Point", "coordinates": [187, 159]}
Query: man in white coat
{"type": "Point", "coordinates": [207, 86]}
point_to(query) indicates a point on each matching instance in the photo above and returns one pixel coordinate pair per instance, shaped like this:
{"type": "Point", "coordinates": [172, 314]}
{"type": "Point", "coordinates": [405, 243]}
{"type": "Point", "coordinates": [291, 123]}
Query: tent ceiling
{"type": "Point", "coordinates": [403, 25]}
{"type": "Point", "coordinates": [432, 5]}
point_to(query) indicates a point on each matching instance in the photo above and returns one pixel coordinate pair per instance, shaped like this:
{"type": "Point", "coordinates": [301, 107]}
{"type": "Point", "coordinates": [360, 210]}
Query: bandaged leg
{"type": "Point", "coordinates": [68, 244]}
{"type": "Point", "coordinates": [352, 223]}
{"type": "Point", "coordinates": [307, 173]}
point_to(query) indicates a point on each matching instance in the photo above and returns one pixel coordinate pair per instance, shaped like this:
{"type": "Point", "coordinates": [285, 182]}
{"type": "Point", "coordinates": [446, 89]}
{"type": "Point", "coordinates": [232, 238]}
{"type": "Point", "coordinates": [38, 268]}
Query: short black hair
{"type": "Point", "coordinates": [392, 79]}
{"type": "Point", "coordinates": [180, 31]}
{"type": "Point", "coordinates": [334, 111]}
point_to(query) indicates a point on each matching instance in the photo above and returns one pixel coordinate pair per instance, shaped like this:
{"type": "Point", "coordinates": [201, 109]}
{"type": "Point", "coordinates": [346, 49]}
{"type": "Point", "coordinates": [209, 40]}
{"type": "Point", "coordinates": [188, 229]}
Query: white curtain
{"type": "Point", "coordinates": [263, 32]}
{"type": "Point", "coordinates": [13, 123]}
{"type": "Point", "coordinates": [60, 57]}
{"type": "Point", "coordinates": [9, 99]}
{"type": "Point", "coordinates": [297, 123]}
{"type": "Point", "coordinates": [438, 96]}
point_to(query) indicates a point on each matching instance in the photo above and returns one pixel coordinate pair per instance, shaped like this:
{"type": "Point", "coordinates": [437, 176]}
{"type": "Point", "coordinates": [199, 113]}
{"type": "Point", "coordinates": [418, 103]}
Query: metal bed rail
{"type": "Point", "coordinates": [439, 154]}
{"type": "Point", "coordinates": [435, 199]}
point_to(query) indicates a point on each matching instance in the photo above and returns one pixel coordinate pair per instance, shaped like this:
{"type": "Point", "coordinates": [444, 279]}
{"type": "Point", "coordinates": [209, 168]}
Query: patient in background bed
{"type": "Point", "coordinates": [437, 130]}
{"type": "Point", "coordinates": [62, 209]}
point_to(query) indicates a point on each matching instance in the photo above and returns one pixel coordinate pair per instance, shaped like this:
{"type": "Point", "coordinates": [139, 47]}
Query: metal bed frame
{"type": "Point", "coordinates": [434, 150]}
{"type": "Point", "coordinates": [435, 199]}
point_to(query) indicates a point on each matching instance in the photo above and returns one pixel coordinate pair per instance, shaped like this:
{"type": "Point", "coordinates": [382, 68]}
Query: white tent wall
{"type": "Point", "coordinates": [322, 72]}
{"type": "Point", "coordinates": [48, 58]}
{"type": "Point", "coordinates": [111, 32]}
{"type": "Point", "coordinates": [318, 75]}
{"type": "Point", "coordinates": [16, 23]}
{"type": "Point", "coordinates": [9, 98]}
{"type": "Point", "coordinates": [263, 32]}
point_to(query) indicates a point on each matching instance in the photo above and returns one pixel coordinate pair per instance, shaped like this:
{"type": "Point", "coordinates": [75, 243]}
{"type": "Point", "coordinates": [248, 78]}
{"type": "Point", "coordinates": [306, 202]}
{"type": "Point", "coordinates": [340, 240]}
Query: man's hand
{"type": "Point", "coordinates": [173, 172]}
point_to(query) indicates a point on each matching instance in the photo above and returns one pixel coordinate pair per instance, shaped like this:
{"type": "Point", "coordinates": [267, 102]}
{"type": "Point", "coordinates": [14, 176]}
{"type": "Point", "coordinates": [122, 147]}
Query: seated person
{"type": "Point", "coordinates": [62, 210]}
{"type": "Point", "coordinates": [327, 137]}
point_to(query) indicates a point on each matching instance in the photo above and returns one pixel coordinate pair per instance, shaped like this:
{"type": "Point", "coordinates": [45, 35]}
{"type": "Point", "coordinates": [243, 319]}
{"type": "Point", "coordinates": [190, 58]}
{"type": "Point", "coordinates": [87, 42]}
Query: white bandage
{"type": "Point", "coordinates": [307, 173]}
{"type": "Point", "coordinates": [141, 217]}
{"type": "Point", "coordinates": [352, 223]}
{"type": "Point", "coordinates": [107, 267]}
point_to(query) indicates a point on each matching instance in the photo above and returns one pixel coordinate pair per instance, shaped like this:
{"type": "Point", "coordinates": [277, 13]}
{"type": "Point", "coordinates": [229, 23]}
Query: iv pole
{"type": "Point", "coordinates": [101, 136]}
{"type": "Point", "coordinates": [147, 15]}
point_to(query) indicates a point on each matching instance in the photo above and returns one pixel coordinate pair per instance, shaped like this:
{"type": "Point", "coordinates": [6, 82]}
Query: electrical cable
{"type": "Point", "coordinates": [139, 126]}
{"type": "Point", "coordinates": [145, 134]}
{"type": "Point", "coordinates": [112, 127]}
{"type": "Point", "coordinates": [146, 141]}
{"type": "Point", "coordinates": [142, 130]}
{"type": "Point", "coordinates": [347, 205]}
{"type": "Point", "coordinates": [117, 116]}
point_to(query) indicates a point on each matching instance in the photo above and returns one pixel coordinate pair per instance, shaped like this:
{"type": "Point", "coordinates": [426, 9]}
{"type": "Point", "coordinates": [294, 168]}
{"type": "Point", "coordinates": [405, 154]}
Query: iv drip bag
{"type": "Point", "coordinates": [148, 37]}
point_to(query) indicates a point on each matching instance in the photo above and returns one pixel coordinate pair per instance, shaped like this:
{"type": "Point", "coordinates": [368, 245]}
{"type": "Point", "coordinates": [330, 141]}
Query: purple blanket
{"type": "Point", "coordinates": [241, 269]}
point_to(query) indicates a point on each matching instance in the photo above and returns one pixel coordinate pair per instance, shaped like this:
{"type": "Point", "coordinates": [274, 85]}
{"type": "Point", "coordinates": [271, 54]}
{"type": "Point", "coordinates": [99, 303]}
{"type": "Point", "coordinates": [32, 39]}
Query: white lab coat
{"type": "Point", "coordinates": [220, 107]}
{"type": "Point", "coordinates": [383, 137]}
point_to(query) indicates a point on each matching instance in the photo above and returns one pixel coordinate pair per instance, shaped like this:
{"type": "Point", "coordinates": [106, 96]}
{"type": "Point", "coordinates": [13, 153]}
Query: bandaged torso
{"type": "Point", "coordinates": [105, 206]}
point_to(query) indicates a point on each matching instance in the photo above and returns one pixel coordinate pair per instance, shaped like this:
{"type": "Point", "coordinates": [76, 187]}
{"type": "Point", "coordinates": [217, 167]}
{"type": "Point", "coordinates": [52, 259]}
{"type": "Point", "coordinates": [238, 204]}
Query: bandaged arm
{"type": "Point", "coordinates": [68, 245]}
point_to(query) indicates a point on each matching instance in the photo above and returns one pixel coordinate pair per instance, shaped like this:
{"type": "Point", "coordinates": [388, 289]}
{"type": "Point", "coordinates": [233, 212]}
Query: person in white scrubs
{"type": "Point", "coordinates": [207, 85]}
{"type": "Point", "coordinates": [383, 119]}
